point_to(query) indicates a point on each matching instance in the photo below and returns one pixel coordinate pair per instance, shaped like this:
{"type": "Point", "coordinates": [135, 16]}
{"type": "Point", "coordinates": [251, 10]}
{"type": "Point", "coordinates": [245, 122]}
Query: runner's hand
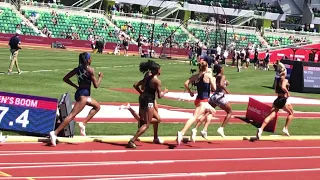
{"type": "Point", "coordinates": [165, 90]}
{"type": "Point", "coordinates": [101, 74]}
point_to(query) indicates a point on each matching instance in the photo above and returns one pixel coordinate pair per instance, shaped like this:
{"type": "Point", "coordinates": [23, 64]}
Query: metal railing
{"type": "Point", "coordinates": [293, 32]}
{"type": "Point", "coordinates": [284, 46]}
{"type": "Point", "coordinates": [79, 3]}
{"type": "Point", "coordinates": [134, 15]}
{"type": "Point", "coordinates": [15, 4]}
{"type": "Point", "coordinates": [192, 22]}
{"type": "Point", "coordinates": [57, 6]}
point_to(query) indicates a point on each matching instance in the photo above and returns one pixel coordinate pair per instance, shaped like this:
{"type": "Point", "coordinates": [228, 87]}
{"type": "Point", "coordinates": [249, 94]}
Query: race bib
{"type": "Point", "coordinates": [150, 105]}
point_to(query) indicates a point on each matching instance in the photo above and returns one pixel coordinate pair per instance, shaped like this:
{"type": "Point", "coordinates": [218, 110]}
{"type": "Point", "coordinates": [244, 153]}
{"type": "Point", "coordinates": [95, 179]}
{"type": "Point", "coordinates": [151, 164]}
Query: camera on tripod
{"type": "Point", "coordinates": [192, 71]}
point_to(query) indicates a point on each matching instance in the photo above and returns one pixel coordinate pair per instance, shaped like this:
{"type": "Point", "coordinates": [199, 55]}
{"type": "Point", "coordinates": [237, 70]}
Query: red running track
{"type": "Point", "coordinates": [224, 160]}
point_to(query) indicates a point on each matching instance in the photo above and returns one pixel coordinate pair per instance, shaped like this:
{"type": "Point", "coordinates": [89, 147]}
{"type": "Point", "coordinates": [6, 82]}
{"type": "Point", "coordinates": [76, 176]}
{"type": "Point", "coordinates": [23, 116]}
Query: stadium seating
{"type": "Point", "coordinates": [72, 23]}
{"type": "Point", "coordinates": [272, 40]}
{"type": "Point", "coordinates": [7, 16]}
{"type": "Point", "coordinates": [316, 12]}
{"type": "Point", "coordinates": [241, 39]}
{"type": "Point", "coordinates": [164, 33]}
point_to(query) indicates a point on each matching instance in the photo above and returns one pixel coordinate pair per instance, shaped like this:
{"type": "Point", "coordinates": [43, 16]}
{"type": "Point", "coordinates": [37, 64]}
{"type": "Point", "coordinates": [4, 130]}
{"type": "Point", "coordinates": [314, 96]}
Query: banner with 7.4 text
{"type": "Point", "coordinates": [29, 114]}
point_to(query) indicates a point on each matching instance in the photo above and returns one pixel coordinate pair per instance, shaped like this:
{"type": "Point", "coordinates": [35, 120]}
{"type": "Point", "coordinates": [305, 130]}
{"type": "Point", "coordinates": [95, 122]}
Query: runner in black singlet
{"type": "Point", "coordinates": [86, 77]}
{"type": "Point", "coordinates": [152, 86]}
{"type": "Point", "coordinates": [137, 116]}
{"type": "Point", "coordinates": [282, 89]}
{"type": "Point", "coordinates": [204, 82]}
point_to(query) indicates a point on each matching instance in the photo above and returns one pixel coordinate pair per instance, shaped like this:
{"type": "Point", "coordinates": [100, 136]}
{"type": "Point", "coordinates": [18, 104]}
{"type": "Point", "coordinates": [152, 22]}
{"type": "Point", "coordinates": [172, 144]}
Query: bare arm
{"type": "Point", "coordinates": [212, 83]}
{"type": "Point", "coordinates": [96, 83]}
{"type": "Point", "coordinates": [275, 86]}
{"type": "Point", "coordinates": [160, 94]}
{"type": "Point", "coordinates": [284, 86]}
{"type": "Point", "coordinates": [221, 84]}
{"type": "Point", "coordinates": [188, 81]}
{"type": "Point", "coordinates": [67, 77]}
{"type": "Point", "coordinates": [137, 86]}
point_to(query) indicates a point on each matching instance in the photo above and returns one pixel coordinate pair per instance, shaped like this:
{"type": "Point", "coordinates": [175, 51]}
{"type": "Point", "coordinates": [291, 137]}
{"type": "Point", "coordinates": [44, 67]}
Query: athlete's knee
{"type": "Point", "coordinates": [147, 125]}
{"type": "Point", "coordinates": [158, 119]}
{"type": "Point", "coordinates": [97, 107]}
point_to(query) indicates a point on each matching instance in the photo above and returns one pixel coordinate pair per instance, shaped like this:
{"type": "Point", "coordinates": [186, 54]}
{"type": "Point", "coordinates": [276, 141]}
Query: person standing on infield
{"type": "Point", "coordinates": [14, 44]}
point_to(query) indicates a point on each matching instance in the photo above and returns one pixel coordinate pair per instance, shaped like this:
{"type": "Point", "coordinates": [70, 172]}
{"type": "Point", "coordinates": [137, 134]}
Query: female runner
{"type": "Point", "coordinates": [281, 88]}
{"type": "Point", "coordinates": [137, 116]}
{"type": "Point", "coordinates": [217, 99]}
{"type": "Point", "coordinates": [204, 81]}
{"type": "Point", "coordinates": [152, 85]}
{"type": "Point", "coordinates": [85, 75]}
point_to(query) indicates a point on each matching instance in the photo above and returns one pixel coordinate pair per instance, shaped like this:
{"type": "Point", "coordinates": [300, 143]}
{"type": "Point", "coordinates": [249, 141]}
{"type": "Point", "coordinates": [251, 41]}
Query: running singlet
{"type": "Point", "coordinates": [149, 94]}
{"type": "Point", "coordinates": [83, 76]}
{"type": "Point", "coordinates": [203, 89]}
{"type": "Point", "coordinates": [84, 81]}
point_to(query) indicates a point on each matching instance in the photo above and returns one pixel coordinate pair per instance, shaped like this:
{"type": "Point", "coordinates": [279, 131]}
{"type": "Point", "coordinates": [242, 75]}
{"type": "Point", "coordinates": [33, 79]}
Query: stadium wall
{"type": "Point", "coordinates": [302, 53]}
{"type": "Point", "coordinates": [83, 44]}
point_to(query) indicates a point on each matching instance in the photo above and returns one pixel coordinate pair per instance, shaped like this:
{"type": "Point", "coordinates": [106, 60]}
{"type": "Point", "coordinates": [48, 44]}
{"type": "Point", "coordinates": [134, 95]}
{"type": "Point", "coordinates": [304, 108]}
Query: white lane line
{"type": "Point", "coordinates": [23, 153]}
{"type": "Point", "coordinates": [164, 175]}
{"type": "Point", "coordinates": [103, 67]}
{"type": "Point", "coordinates": [205, 174]}
{"type": "Point", "coordinates": [44, 70]}
{"type": "Point", "coordinates": [108, 163]}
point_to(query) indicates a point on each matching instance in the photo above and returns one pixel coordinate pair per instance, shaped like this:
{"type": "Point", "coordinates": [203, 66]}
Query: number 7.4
{"type": "Point", "coordinates": [22, 119]}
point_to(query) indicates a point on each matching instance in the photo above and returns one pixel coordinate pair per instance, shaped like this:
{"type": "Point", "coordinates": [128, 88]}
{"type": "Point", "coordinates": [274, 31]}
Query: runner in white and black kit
{"type": "Point", "coordinates": [125, 44]}
{"type": "Point", "coordinates": [217, 99]}
{"type": "Point", "coordinates": [282, 90]}
{"type": "Point", "coordinates": [139, 40]}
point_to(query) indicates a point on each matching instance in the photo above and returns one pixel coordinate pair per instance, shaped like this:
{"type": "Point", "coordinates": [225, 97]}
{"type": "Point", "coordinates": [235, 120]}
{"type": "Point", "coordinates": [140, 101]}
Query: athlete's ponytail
{"type": "Point", "coordinates": [144, 67]}
{"type": "Point", "coordinates": [149, 66]}
{"type": "Point", "coordinates": [203, 65]}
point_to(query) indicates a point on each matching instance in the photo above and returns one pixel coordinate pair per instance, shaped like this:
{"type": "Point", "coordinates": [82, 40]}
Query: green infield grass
{"type": "Point", "coordinates": [44, 70]}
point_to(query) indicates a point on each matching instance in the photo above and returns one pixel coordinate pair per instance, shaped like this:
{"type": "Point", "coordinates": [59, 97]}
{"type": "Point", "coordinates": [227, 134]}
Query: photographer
{"type": "Point", "coordinates": [99, 45]}
{"type": "Point", "coordinates": [139, 40]}
{"type": "Point", "coordinates": [14, 44]}
{"type": "Point", "coordinates": [125, 44]}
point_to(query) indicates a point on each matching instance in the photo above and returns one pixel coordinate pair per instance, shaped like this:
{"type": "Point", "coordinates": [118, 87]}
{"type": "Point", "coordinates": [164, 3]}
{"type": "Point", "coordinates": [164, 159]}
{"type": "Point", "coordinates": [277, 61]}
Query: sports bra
{"type": "Point", "coordinates": [279, 90]}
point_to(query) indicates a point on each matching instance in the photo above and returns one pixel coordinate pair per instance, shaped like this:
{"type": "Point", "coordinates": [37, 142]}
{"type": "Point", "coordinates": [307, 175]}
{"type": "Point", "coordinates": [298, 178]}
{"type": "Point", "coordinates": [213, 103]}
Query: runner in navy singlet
{"type": "Point", "coordinates": [217, 99]}
{"type": "Point", "coordinates": [282, 89]}
{"type": "Point", "coordinates": [204, 82]}
{"type": "Point", "coordinates": [86, 77]}
{"type": "Point", "coordinates": [152, 87]}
